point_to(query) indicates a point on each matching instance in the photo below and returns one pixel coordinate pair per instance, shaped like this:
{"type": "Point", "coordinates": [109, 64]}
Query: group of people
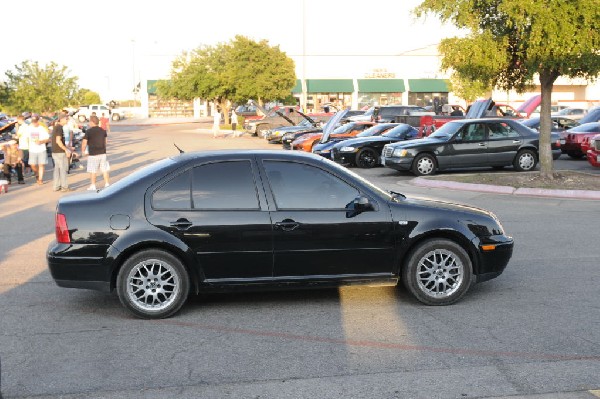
{"type": "Point", "coordinates": [28, 153]}
{"type": "Point", "coordinates": [217, 122]}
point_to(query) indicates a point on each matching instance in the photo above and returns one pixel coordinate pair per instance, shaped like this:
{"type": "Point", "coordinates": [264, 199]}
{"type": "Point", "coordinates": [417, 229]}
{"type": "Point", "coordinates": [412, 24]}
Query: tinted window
{"type": "Point", "coordinates": [301, 186]}
{"type": "Point", "coordinates": [175, 194]}
{"type": "Point", "coordinates": [473, 132]}
{"type": "Point", "coordinates": [224, 185]}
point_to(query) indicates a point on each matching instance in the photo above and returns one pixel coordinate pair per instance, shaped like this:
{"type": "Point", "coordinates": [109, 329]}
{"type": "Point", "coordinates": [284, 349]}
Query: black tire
{"type": "Point", "coordinates": [260, 129]}
{"type": "Point", "coordinates": [367, 158]}
{"type": "Point", "coordinates": [424, 165]}
{"type": "Point", "coordinates": [437, 265]}
{"type": "Point", "coordinates": [81, 118]}
{"type": "Point", "coordinates": [115, 117]}
{"type": "Point", "coordinates": [525, 161]}
{"type": "Point", "coordinates": [153, 271]}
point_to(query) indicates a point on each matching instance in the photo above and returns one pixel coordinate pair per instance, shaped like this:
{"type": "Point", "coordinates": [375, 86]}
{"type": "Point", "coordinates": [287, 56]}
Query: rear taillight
{"type": "Point", "coordinates": [62, 231]}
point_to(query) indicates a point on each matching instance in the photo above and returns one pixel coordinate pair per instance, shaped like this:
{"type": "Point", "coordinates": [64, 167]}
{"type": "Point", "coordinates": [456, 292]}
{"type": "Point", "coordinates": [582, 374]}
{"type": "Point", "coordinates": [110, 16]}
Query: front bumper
{"type": "Point", "coordinates": [493, 262]}
{"type": "Point", "coordinates": [593, 158]}
{"type": "Point", "coordinates": [344, 158]}
{"type": "Point", "coordinates": [403, 163]}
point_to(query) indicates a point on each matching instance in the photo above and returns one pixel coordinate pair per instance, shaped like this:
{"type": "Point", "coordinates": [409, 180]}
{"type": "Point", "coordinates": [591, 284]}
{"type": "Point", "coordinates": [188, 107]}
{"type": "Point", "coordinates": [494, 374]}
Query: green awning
{"type": "Point", "coordinates": [329, 85]}
{"type": "Point", "coordinates": [381, 85]}
{"type": "Point", "coordinates": [151, 85]}
{"type": "Point", "coordinates": [298, 88]}
{"type": "Point", "coordinates": [428, 85]}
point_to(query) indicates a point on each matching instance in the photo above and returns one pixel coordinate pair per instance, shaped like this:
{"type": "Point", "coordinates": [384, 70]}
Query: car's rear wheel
{"type": "Point", "coordinates": [367, 158]}
{"type": "Point", "coordinates": [525, 161]}
{"type": "Point", "coordinates": [153, 284]}
{"type": "Point", "coordinates": [424, 165]}
{"type": "Point", "coordinates": [438, 272]}
{"type": "Point", "coordinates": [116, 117]}
{"type": "Point", "coordinates": [575, 154]}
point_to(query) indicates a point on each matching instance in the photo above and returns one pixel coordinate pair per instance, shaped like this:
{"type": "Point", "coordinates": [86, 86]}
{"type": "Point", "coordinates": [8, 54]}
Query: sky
{"type": "Point", "coordinates": [110, 45]}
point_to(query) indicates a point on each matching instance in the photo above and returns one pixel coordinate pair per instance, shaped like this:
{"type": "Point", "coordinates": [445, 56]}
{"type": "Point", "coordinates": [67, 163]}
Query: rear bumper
{"type": "Point", "coordinates": [86, 266]}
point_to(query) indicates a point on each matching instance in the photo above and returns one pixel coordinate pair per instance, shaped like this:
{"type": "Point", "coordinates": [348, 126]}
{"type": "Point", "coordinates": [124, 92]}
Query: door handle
{"type": "Point", "coordinates": [516, 141]}
{"type": "Point", "coordinates": [482, 144]}
{"type": "Point", "coordinates": [287, 225]}
{"type": "Point", "coordinates": [181, 223]}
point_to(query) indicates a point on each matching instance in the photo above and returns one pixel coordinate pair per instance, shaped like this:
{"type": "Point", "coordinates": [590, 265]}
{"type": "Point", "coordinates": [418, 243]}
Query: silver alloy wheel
{"type": "Point", "coordinates": [527, 161]}
{"type": "Point", "coordinates": [439, 273]}
{"type": "Point", "coordinates": [425, 166]}
{"type": "Point", "coordinates": [153, 285]}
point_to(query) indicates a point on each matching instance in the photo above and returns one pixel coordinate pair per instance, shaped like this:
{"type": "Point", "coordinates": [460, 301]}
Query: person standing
{"type": "Point", "coordinates": [234, 119]}
{"type": "Point", "coordinates": [96, 138]}
{"type": "Point", "coordinates": [38, 138]}
{"type": "Point", "coordinates": [23, 138]}
{"type": "Point", "coordinates": [216, 122]}
{"type": "Point", "coordinates": [104, 123]}
{"type": "Point", "coordinates": [61, 153]}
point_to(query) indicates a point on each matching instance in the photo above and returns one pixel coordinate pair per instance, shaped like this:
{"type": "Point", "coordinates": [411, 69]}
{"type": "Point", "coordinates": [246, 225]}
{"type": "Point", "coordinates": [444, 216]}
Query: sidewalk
{"type": "Point", "coordinates": [487, 188]}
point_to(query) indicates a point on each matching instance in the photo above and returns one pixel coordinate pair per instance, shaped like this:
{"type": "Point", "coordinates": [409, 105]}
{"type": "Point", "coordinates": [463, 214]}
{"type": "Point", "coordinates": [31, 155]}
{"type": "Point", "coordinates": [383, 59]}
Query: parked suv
{"type": "Point", "coordinates": [388, 113]}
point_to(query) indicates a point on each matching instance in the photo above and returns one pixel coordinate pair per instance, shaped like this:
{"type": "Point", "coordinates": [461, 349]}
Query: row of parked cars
{"type": "Point", "coordinates": [399, 137]}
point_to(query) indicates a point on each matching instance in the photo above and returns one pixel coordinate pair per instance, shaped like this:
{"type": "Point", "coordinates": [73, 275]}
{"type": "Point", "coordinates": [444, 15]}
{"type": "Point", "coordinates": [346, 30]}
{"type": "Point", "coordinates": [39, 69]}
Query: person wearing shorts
{"type": "Point", "coordinates": [95, 138]}
{"type": "Point", "coordinates": [38, 156]}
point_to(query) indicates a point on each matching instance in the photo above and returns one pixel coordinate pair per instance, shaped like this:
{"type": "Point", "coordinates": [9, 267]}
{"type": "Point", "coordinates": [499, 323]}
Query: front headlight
{"type": "Point", "coordinates": [400, 152]}
{"type": "Point", "coordinates": [347, 149]}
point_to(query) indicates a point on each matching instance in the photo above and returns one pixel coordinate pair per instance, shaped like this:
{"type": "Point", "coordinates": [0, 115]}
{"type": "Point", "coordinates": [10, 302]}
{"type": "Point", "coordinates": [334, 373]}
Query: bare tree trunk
{"type": "Point", "coordinates": [547, 78]}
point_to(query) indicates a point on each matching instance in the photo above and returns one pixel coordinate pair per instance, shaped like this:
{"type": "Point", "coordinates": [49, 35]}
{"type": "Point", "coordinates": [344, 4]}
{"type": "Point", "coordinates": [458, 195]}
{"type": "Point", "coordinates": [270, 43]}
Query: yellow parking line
{"type": "Point", "coordinates": [595, 392]}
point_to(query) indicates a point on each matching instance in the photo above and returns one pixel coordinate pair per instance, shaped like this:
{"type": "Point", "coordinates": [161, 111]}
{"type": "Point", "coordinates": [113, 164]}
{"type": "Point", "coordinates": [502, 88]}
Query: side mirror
{"type": "Point", "coordinates": [359, 205]}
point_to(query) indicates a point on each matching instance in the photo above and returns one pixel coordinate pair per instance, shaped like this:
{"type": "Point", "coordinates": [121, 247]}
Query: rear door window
{"type": "Point", "coordinates": [224, 185]}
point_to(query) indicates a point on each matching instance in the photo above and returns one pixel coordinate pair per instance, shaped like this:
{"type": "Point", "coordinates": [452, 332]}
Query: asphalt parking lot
{"type": "Point", "coordinates": [534, 330]}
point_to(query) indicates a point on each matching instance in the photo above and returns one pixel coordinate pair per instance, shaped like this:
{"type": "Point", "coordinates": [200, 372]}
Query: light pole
{"type": "Point", "coordinates": [133, 68]}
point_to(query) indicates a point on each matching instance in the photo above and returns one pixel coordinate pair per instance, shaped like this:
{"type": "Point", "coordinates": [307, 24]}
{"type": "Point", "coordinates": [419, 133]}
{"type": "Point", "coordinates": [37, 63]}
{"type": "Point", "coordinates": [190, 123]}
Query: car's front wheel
{"type": "Point", "coordinates": [116, 117]}
{"type": "Point", "coordinates": [525, 161]}
{"type": "Point", "coordinates": [367, 158]}
{"type": "Point", "coordinates": [438, 272]}
{"type": "Point", "coordinates": [153, 284]}
{"type": "Point", "coordinates": [424, 165]}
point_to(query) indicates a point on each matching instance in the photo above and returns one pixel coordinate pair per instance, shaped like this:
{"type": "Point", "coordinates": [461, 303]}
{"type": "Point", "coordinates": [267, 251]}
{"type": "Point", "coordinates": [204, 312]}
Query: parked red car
{"type": "Point", "coordinates": [578, 136]}
{"type": "Point", "coordinates": [593, 151]}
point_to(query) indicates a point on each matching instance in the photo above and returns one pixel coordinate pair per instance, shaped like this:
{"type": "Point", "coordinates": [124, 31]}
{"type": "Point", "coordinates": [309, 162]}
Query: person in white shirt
{"type": "Point", "coordinates": [38, 157]}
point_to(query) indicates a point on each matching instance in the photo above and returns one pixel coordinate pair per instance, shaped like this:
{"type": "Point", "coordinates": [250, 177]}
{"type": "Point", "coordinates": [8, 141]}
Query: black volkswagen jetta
{"type": "Point", "coordinates": [228, 220]}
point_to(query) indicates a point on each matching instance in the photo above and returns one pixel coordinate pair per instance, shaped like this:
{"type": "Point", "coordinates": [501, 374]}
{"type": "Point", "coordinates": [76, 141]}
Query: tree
{"type": "Point", "coordinates": [511, 42]}
{"type": "Point", "coordinates": [32, 87]}
{"type": "Point", "coordinates": [231, 72]}
{"type": "Point", "coordinates": [86, 96]}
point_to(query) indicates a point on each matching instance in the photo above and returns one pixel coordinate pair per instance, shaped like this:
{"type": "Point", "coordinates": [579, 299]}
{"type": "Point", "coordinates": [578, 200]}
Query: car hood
{"type": "Point", "coordinates": [361, 140]}
{"type": "Point", "coordinates": [419, 142]}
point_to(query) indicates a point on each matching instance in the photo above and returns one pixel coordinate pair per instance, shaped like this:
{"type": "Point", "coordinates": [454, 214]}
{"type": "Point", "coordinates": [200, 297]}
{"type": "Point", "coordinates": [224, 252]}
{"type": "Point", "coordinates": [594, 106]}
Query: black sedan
{"type": "Point", "coordinates": [223, 221]}
{"type": "Point", "coordinates": [559, 123]}
{"type": "Point", "coordinates": [365, 152]}
{"type": "Point", "coordinates": [496, 142]}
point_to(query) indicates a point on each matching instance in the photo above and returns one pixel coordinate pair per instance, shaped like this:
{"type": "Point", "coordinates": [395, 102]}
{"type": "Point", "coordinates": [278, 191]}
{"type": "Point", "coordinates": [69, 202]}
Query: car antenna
{"type": "Point", "coordinates": [180, 150]}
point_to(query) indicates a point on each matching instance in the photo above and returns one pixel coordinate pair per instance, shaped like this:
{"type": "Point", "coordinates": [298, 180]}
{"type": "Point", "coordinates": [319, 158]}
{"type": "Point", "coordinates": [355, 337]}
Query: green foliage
{"type": "Point", "coordinates": [510, 42]}
{"type": "Point", "coordinates": [85, 97]}
{"type": "Point", "coordinates": [36, 88]}
{"type": "Point", "coordinates": [231, 72]}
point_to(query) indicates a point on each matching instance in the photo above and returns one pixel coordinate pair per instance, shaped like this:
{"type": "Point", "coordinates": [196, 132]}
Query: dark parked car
{"type": "Point", "coordinates": [289, 137]}
{"type": "Point", "coordinates": [388, 113]}
{"type": "Point", "coordinates": [496, 142]}
{"type": "Point", "coordinates": [365, 152]}
{"type": "Point", "coordinates": [559, 123]}
{"type": "Point", "coordinates": [324, 148]}
{"type": "Point", "coordinates": [227, 220]}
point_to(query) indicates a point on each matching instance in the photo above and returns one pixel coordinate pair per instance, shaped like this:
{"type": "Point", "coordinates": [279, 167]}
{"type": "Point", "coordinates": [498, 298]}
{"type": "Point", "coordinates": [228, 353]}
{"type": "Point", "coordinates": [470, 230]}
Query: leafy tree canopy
{"type": "Point", "coordinates": [36, 88]}
{"type": "Point", "coordinates": [86, 96]}
{"type": "Point", "coordinates": [509, 42]}
{"type": "Point", "coordinates": [231, 72]}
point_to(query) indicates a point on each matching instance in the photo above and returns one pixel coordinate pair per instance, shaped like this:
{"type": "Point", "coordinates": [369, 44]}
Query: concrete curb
{"type": "Point", "coordinates": [488, 188]}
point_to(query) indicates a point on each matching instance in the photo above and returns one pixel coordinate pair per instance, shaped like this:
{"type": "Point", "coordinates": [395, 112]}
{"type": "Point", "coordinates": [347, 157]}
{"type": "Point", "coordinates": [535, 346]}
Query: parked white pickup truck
{"type": "Point", "coordinates": [85, 112]}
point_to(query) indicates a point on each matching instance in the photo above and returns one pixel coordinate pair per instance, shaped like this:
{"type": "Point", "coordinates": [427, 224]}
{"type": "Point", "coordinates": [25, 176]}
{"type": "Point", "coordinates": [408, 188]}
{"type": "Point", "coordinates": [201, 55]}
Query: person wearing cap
{"type": "Point", "coordinates": [60, 154]}
{"type": "Point", "coordinates": [38, 157]}
{"type": "Point", "coordinates": [12, 159]}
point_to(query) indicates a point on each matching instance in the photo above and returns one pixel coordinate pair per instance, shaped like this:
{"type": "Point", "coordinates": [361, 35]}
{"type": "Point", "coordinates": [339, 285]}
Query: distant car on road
{"type": "Point", "coordinates": [573, 113]}
{"type": "Point", "coordinates": [228, 221]}
{"type": "Point", "coordinates": [468, 143]}
{"type": "Point", "coordinates": [576, 137]}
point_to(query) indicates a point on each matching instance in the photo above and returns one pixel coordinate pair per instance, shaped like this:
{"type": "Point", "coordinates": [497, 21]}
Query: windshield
{"type": "Point", "coordinates": [348, 127]}
{"type": "Point", "coordinates": [586, 128]}
{"type": "Point", "coordinates": [398, 131]}
{"type": "Point", "coordinates": [304, 122]}
{"type": "Point", "coordinates": [373, 131]}
{"type": "Point", "coordinates": [531, 122]}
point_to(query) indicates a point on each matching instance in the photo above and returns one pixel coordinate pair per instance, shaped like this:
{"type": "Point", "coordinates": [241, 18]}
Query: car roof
{"type": "Point", "coordinates": [224, 154]}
